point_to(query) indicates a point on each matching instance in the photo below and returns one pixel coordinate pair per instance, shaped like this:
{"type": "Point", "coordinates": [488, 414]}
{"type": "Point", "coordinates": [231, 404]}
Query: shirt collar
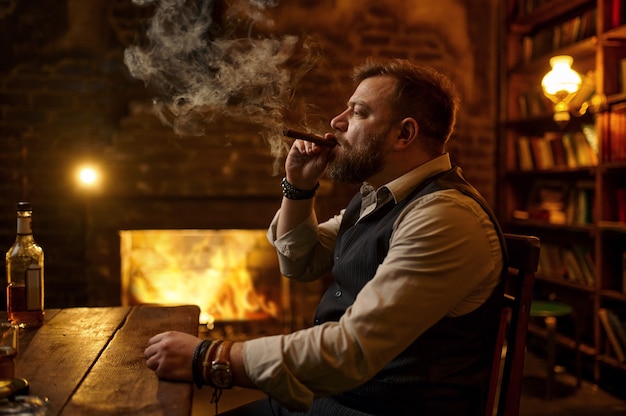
{"type": "Point", "coordinates": [401, 187]}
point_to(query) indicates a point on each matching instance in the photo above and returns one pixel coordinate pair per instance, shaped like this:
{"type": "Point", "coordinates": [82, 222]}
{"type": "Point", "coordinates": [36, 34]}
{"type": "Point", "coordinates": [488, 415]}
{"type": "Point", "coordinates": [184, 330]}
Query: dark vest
{"type": "Point", "coordinates": [451, 360]}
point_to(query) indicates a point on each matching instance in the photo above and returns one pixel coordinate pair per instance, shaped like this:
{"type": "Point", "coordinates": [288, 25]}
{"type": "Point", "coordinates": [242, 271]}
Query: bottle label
{"type": "Point", "coordinates": [24, 225]}
{"type": "Point", "coordinates": [33, 288]}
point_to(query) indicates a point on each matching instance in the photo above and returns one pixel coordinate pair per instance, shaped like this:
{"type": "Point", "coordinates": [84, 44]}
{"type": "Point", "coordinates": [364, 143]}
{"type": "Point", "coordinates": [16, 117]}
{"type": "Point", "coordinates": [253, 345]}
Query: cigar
{"type": "Point", "coordinates": [308, 137]}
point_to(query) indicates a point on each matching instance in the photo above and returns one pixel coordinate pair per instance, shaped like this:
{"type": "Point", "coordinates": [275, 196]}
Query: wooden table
{"type": "Point", "coordinates": [90, 361]}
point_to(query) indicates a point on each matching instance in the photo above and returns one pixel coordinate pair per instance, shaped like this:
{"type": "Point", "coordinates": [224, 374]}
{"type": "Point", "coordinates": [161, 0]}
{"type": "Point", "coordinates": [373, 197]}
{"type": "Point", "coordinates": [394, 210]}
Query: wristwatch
{"type": "Point", "coordinates": [220, 375]}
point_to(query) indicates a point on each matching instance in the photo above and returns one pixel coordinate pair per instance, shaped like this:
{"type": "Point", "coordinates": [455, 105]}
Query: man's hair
{"type": "Point", "coordinates": [422, 93]}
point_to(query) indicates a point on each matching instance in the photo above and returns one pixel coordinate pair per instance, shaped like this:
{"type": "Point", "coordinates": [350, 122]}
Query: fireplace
{"type": "Point", "coordinates": [231, 274]}
{"type": "Point", "coordinates": [171, 201]}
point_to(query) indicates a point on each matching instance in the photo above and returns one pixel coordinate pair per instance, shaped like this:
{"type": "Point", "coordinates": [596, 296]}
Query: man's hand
{"type": "Point", "coordinates": [306, 163]}
{"type": "Point", "coordinates": [169, 354]}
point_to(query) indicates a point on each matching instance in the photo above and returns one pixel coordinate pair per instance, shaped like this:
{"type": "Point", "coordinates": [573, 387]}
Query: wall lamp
{"type": "Point", "coordinates": [568, 90]}
{"type": "Point", "coordinates": [88, 177]}
{"type": "Point", "coordinates": [560, 85]}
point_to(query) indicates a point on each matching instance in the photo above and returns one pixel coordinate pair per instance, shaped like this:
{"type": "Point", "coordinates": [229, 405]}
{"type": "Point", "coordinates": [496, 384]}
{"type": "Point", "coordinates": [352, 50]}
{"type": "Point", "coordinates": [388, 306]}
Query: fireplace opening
{"type": "Point", "coordinates": [231, 274]}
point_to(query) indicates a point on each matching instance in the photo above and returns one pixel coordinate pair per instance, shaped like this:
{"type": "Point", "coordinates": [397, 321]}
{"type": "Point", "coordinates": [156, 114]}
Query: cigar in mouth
{"type": "Point", "coordinates": [308, 137]}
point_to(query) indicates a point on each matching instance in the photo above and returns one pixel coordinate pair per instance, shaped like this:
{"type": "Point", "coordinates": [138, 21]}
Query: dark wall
{"type": "Point", "coordinates": [66, 96]}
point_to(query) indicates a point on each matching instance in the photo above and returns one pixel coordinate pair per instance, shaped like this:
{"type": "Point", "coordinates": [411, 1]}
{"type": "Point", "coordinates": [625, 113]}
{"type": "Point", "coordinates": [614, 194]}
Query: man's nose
{"type": "Point", "coordinates": [339, 122]}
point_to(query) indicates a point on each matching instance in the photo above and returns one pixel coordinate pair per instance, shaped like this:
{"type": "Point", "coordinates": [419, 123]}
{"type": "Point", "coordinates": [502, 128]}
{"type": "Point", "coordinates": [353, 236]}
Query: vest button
{"type": "Point", "coordinates": [338, 294]}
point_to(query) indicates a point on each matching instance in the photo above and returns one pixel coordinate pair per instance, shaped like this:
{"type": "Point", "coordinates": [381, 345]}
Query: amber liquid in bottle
{"type": "Point", "coordinates": [24, 260]}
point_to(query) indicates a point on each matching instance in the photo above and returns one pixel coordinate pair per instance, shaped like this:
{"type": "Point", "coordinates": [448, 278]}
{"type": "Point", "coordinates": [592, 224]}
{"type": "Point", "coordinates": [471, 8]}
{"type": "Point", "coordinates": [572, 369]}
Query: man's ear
{"type": "Point", "coordinates": [409, 130]}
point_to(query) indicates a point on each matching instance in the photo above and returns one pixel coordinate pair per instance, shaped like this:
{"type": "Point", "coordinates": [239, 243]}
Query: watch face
{"type": "Point", "coordinates": [221, 377]}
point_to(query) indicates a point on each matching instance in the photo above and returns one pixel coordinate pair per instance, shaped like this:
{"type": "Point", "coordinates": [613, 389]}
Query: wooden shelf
{"type": "Point", "coordinates": [547, 12]}
{"type": "Point", "coordinates": [539, 225]}
{"type": "Point", "coordinates": [611, 361]}
{"type": "Point", "coordinates": [617, 34]}
{"type": "Point", "coordinates": [588, 171]}
{"type": "Point", "coordinates": [562, 281]}
{"type": "Point", "coordinates": [614, 295]}
{"type": "Point", "coordinates": [561, 340]}
{"type": "Point", "coordinates": [603, 241]}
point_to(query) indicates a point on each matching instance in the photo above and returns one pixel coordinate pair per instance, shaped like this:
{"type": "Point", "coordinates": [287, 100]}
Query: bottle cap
{"type": "Point", "coordinates": [24, 206]}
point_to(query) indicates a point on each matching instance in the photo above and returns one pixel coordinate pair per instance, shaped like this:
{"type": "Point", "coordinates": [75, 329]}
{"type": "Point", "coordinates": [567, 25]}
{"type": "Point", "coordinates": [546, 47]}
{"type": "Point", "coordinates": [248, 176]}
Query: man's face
{"type": "Point", "coordinates": [363, 130]}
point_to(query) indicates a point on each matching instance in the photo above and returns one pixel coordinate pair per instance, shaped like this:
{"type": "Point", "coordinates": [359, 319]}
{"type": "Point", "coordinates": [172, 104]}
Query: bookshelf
{"type": "Point", "coordinates": [566, 182]}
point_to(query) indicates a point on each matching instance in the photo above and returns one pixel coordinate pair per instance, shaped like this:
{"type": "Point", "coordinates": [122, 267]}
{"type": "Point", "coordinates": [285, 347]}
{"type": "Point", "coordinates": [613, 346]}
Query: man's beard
{"type": "Point", "coordinates": [357, 164]}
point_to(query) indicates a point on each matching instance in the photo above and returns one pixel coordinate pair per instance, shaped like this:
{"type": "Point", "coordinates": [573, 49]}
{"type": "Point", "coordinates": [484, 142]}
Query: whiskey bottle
{"type": "Point", "coordinates": [25, 283]}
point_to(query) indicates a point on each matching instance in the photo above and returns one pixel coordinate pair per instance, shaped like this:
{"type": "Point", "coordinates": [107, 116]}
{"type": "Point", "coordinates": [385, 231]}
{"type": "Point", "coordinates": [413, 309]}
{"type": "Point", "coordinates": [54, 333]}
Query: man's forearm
{"type": "Point", "coordinates": [240, 377]}
{"type": "Point", "coordinates": [293, 213]}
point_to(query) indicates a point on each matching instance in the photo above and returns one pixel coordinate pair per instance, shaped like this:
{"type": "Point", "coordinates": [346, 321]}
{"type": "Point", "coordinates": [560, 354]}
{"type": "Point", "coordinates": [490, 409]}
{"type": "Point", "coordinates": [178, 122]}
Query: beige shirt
{"type": "Point", "coordinates": [444, 259]}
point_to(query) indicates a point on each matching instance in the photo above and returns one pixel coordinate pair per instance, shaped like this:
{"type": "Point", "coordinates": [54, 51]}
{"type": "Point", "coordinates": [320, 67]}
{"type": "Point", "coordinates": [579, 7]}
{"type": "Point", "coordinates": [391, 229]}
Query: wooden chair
{"type": "Point", "coordinates": [523, 254]}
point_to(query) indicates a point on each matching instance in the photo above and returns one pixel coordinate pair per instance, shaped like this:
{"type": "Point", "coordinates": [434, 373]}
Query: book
{"type": "Point", "coordinates": [587, 25]}
{"type": "Point", "coordinates": [624, 272]}
{"type": "Point", "coordinates": [550, 262]}
{"type": "Point", "coordinates": [555, 260]}
{"type": "Point", "coordinates": [574, 27]}
{"type": "Point", "coordinates": [572, 267]}
{"type": "Point", "coordinates": [589, 130]}
{"type": "Point", "coordinates": [522, 105]}
{"type": "Point", "coordinates": [536, 102]}
{"type": "Point", "coordinates": [585, 155]}
{"type": "Point", "coordinates": [524, 155]}
{"type": "Point", "coordinates": [541, 158]}
{"type": "Point", "coordinates": [582, 202]}
{"type": "Point", "coordinates": [570, 152]}
{"type": "Point", "coordinates": [618, 328]}
{"type": "Point", "coordinates": [559, 156]}
{"type": "Point", "coordinates": [614, 145]}
{"type": "Point", "coordinates": [548, 201]}
{"type": "Point", "coordinates": [591, 264]}
{"type": "Point", "coordinates": [616, 13]}
{"type": "Point", "coordinates": [610, 334]}
{"type": "Point", "coordinates": [582, 256]}
{"type": "Point", "coordinates": [546, 153]}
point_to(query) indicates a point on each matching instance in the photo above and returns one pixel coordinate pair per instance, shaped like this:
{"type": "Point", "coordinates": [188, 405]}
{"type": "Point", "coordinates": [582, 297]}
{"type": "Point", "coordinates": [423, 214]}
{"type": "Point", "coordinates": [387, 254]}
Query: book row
{"type": "Point", "coordinates": [552, 38]}
{"type": "Point", "coordinates": [574, 263]}
{"type": "Point", "coordinates": [532, 103]}
{"type": "Point", "coordinates": [560, 202]}
{"type": "Point", "coordinates": [558, 150]}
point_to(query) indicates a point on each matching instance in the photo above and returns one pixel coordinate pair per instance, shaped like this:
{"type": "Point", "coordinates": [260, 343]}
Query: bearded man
{"type": "Point", "coordinates": [408, 325]}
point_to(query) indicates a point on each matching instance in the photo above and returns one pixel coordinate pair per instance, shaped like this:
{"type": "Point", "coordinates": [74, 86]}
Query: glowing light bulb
{"type": "Point", "coordinates": [562, 80]}
{"type": "Point", "coordinates": [88, 176]}
{"type": "Point", "coordinates": [560, 85]}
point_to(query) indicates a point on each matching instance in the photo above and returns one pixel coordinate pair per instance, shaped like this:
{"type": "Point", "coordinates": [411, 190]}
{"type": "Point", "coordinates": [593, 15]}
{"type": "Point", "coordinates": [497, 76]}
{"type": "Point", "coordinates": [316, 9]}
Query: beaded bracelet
{"type": "Point", "coordinates": [196, 363]}
{"type": "Point", "coordinates": [291, 192]}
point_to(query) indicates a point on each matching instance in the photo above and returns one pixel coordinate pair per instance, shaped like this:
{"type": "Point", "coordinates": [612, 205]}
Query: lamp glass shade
{"type": "Point", "coordinates": [562, 80]}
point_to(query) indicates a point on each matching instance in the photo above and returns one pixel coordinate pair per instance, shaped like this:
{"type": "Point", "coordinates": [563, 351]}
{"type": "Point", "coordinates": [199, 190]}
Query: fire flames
{"type": "Point", "coordinates": [229, 274]}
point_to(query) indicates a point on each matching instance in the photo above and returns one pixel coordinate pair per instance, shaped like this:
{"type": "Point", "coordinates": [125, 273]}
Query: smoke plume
{"type": "Point", "coordinates": [204, 60]}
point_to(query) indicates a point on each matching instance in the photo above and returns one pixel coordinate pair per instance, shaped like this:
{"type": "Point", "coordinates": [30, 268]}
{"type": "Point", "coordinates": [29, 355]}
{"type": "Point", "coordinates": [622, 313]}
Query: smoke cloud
{"type": "Point", "coordinates": [202, 67]}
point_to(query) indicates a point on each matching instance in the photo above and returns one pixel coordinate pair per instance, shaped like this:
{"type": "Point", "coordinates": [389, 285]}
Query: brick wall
{"type": "Point", "coordinates": [65, 96]}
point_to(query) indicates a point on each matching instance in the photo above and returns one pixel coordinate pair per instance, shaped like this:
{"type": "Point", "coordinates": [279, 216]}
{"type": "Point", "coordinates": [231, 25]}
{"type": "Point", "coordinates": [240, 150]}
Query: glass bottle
{"type": "Point", "coordinates": [25, 284]}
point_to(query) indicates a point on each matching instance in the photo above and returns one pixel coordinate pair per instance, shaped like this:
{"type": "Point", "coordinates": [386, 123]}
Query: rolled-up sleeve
{"type": "Point", "coordinates": [305, 252]}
